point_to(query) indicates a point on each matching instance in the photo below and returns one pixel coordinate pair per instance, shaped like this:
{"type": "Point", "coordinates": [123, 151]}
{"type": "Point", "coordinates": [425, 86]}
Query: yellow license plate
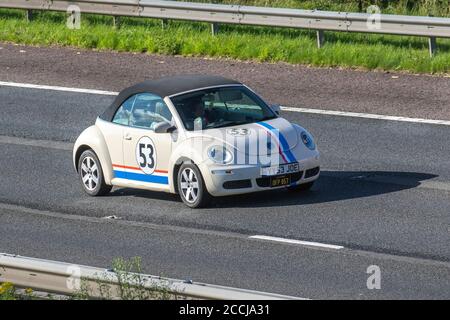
{"type": "Point", "coordinates": [280, 181]}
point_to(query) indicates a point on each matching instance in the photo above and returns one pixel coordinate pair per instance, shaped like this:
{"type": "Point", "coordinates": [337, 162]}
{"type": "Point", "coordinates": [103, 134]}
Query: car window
{"type": "Point", "coordinates": [236, 104]}
{"type": "Point", "coordinates": [122, 115]}
{"type": "Point", "coordinates": [221, 107]}
{"type": "Point", "coordinates": [149, 110]}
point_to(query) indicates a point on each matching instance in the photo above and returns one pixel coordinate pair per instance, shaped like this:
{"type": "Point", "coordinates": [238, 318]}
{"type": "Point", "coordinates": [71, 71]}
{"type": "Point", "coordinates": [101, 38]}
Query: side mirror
{"type": "Point", "coordinates": [276, 108]}
{"type": "Point", "coordinates": [164, 127]}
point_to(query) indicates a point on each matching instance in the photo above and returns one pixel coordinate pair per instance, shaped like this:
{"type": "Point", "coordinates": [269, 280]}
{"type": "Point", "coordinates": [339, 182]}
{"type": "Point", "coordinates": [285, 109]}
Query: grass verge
{"type": "Point", "coordinates": [262, 44]}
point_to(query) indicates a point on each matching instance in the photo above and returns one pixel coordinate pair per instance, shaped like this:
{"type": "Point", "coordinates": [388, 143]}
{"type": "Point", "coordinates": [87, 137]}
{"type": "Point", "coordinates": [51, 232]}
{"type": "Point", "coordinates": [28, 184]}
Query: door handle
{"type": "Point", "coordinates": [127, 137]}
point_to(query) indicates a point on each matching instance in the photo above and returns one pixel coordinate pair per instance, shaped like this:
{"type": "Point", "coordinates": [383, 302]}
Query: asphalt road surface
{"type": "Point", "coordinates": [384, 196]}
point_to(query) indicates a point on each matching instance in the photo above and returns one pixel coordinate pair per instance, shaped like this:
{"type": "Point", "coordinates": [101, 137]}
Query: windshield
{"type": "Point", "coordinates": [221, 107]}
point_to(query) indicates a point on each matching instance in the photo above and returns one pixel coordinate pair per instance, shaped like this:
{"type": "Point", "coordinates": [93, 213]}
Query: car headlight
{"type": "Point", "coordinates": [308, 140]}
{"type": "Point", "coordinates": [220, 154]}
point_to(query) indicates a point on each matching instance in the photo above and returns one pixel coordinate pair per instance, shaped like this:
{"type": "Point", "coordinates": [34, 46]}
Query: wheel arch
{"type": "Point", "coordinates": [188, 150]}
{"type": "Point", "coordinates": [79, 152]}
{"type": "Point", "coordinates": [176, 168]}
{"type": "Point", "coordinates": [93, 139]}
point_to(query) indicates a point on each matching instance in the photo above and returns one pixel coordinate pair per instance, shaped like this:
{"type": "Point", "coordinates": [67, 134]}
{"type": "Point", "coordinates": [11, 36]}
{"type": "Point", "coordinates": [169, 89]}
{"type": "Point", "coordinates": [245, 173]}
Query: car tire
{"type": "Point", "coordinates": [191, 186]}
{"type": "Point", "coordinates": [91, 174]}
{"type": "Point", "coordinates": [301, 187]}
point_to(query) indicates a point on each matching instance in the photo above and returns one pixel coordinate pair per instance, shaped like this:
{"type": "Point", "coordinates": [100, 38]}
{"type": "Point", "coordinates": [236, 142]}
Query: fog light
{"type": "Point", "coordinates": [222, 172]}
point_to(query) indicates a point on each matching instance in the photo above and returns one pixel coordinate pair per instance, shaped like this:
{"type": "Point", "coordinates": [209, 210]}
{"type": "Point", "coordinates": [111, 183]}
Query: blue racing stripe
{"type": "Point", "coordinates": [283, 141]}
{"type": "Point", "coordinates": [141, 177]}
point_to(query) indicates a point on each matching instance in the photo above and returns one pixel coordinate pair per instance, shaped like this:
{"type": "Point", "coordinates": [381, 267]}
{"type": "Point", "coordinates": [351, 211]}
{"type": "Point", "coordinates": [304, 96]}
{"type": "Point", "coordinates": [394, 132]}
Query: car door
{"type": "Point", "coordinates": [146, 153]}
{"type": "Point", "coordinates": [113, 132]}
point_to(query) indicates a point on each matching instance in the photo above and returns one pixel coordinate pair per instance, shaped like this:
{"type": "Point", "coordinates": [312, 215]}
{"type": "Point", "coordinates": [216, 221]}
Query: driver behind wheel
{"type": "Point", "coordinates": [201, 118]}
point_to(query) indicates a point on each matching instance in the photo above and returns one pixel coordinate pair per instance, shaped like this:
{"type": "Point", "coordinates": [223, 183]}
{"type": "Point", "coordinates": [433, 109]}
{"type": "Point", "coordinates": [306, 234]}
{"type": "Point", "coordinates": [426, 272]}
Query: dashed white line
{"type": "Point", "coordinates": [298, 242]}
{"type": "Point", "coordinates": [289, 109]}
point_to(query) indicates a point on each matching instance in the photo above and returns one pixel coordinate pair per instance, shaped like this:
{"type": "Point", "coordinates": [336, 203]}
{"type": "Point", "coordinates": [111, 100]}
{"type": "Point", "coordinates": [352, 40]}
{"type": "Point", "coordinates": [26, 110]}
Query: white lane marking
{"type": "Point", "coordinates": [292, 241]}
{"type": "Point", "coordinates": [23, 210]}
{"type": "Point", "coordinates": [56, 88]}
{"type": "Point", "coordinates": [366, 115]}
{"type": "Point", "coordinates": [289, 109]}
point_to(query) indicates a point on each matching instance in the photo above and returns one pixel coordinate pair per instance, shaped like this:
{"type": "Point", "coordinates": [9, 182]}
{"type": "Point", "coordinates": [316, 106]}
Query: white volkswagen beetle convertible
{"type": "Point", "coordinates": [198, 136]}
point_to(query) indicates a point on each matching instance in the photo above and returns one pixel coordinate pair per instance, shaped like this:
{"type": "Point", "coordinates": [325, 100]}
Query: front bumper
{"type": "Point", "coordinates": [241, 179]}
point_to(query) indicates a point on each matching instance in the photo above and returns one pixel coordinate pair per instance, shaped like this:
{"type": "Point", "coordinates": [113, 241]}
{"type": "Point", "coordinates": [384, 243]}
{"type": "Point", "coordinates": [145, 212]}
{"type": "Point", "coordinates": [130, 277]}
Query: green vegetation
{"type": "Point", "coordinates": [126, 283]}
{"type": "Point", "coordinates": [132, 284]}
{"type": "Point", "coordinates": [9, 292]}
{"type": "Point", "coordinates": [263, 44]}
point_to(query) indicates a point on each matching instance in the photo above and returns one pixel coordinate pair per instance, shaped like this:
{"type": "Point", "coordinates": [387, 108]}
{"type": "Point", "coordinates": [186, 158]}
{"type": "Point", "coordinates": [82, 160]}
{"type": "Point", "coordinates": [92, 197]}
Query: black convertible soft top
{"type": "Point", "coordinates": [166, 86]}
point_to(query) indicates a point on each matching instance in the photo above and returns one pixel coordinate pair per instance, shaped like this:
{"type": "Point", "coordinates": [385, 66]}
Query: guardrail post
{"type": "Point", "coordinates": [214, 28]}
{"type": "Point", "coordinates": [29, 15]}
{"type": "Point", "coordinates": [116, 22]}
{"type": "Point", "coordinates": [432, 46]}
{"type": "Point", "coordinates": [164, 23]}
{"type": "Point", "coordinates": [320, 38]}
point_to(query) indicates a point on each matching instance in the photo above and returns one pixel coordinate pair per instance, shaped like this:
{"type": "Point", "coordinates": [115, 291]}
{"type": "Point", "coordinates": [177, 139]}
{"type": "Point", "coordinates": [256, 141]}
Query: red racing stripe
{"type": "Point", "coordinates": [136, 168]}
{"type": "Point", "coordinates": [269, 134]}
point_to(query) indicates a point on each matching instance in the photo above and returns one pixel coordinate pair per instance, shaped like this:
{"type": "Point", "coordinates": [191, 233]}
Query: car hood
{"type": "Point", "coordinates": [267, 136]}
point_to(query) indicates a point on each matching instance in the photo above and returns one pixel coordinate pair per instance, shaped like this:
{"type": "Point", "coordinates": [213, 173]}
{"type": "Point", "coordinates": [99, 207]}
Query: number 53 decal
{"type": "Point", "coordinates": [146, 155]}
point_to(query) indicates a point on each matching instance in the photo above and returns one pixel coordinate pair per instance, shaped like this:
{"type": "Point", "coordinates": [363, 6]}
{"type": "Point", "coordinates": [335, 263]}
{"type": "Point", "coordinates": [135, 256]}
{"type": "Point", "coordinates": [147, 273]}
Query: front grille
{"type": "Point", "coordinates": [237, 184]}
{"type": "Point", "coordinates": [264, 182]}
{"type": "Point", "coordinates": [312, 172]}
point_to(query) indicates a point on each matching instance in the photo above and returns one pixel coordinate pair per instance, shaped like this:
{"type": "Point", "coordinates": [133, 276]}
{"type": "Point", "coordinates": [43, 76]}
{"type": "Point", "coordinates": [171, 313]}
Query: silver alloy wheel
{"type": "Point", "coordinates": [189, 185]}
{"type": "Point", "coordinates": [89, 173]}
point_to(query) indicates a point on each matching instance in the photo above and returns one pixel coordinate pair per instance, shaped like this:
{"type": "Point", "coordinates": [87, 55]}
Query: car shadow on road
{"type": "Point", "coordinates": [331, 186]}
